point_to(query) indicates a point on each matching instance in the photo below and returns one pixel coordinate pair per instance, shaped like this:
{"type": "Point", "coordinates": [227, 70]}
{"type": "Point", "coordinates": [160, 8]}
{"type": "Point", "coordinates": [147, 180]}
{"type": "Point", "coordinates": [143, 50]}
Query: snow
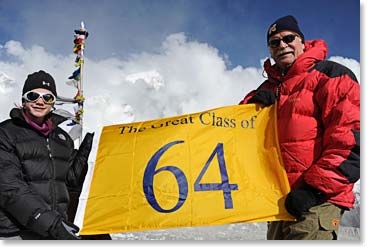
{"type": "Point", "coordinates": [151, 78]}
{"type": "Point", "coordinates": [240, 231]}
{"type": "Point", "coordinates": [6, 83]}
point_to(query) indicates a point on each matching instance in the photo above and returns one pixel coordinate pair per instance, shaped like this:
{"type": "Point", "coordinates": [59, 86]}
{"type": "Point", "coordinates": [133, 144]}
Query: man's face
{"type": "Point", "coordinates": [38, 109]}
{"type": "Point", "coordinates": [285, 47]}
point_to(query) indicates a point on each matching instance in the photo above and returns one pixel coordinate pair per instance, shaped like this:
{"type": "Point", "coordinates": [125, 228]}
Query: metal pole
{"type": "Point", "coordinates": [81, 86]}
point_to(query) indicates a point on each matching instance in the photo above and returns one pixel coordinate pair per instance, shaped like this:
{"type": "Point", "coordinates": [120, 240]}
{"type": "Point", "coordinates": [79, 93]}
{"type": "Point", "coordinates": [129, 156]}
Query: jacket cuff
{"type": "Point", "coordinates": [317, 193]}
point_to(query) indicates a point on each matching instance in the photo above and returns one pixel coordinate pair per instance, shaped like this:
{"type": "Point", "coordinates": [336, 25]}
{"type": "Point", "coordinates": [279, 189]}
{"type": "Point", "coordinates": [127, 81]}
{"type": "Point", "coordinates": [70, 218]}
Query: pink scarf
{"type": "Point", "coordinates": [44, 129]}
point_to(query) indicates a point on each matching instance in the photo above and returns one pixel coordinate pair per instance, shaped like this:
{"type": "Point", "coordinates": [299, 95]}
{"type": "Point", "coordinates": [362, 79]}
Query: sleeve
{"type": "Point", "coordinates": [16, 197]}
{"type": "Point", "coordinates": [77, 171]}
{"type": "Point", "coordinates": [339, 164]}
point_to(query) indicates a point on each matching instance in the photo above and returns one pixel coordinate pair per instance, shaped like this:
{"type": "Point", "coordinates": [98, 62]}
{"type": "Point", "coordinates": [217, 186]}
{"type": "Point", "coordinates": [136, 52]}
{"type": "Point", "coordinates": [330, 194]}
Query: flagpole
{"type": "Point", "coordinates": [80, 35]}
{"type": "Point", "coordinates": [81, 86]}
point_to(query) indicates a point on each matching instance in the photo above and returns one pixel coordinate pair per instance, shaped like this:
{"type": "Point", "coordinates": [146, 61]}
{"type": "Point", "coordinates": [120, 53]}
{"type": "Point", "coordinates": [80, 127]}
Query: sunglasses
{"type": "Point", "coordinates": [32, 96]}
{"type": "Point", "coordinates": [275, 43]}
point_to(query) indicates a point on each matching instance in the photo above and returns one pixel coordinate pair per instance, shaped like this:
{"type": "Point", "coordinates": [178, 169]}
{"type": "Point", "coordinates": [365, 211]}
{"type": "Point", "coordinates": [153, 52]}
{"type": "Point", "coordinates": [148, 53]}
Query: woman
{"type": "Point", "coordinates": [38, 163]}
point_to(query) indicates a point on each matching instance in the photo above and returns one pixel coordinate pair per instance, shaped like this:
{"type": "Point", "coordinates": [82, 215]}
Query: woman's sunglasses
{"type": "Point", "coordinates": [32, 96]}
{"type": "Point", "coordinates": [275, 43]}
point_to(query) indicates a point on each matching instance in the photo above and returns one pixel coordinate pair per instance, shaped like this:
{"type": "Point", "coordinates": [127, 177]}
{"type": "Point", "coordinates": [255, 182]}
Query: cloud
{"type": "Point", "coordinates": [350, 63]}
{"type": "Point", "coordinates": [182, 76]}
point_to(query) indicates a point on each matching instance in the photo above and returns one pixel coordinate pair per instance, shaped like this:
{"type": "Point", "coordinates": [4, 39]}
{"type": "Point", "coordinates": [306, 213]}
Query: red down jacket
{"type": "Point", "coordinates": [318, 123]}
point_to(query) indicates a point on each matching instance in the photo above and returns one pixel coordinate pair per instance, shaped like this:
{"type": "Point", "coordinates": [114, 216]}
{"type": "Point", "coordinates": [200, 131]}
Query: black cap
{"type": "Point", "coordinates": [285, 23]}
{"type": "Point", "coordinates": [39, 79]}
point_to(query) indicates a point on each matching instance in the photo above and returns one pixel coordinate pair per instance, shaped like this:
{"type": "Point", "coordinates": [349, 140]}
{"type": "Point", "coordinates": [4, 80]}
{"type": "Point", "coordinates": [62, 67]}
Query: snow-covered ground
{"type": "Point", "coordinates": [349, 230]}
{"type": "Point", "coordinates": [240, 231]}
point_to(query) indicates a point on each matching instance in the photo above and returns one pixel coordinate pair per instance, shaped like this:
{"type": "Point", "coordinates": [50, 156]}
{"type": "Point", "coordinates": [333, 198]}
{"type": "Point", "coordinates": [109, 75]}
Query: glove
{"type": "Point", "coordinates": [300, 201]}
{"type": "Point", "coordinates": [41, 223]}
{"type": "Point", "coordinates": [80, 162]}
{"type": "Point", "coordinates": [86, 145]}
{"type": "Point", "coordinates": [263, 96]}
{"type": "Point", "coordinates": [64, 231]}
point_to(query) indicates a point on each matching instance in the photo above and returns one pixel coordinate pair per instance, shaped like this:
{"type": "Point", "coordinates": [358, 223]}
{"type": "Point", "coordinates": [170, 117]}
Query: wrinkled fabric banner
{"type": "Point", "coordinates": [219, 166]}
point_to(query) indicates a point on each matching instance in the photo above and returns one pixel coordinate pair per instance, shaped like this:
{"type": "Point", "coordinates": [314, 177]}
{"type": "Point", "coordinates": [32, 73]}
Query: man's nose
{"type": "Point", "coordinates": [282, 44]}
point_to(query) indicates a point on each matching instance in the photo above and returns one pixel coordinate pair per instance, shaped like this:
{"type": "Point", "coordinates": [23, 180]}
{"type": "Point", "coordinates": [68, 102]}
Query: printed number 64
{"type": "Point", "coordinates": [150, 171]}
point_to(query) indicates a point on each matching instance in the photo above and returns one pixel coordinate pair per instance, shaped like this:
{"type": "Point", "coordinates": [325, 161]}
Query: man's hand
{"type": "Point", "coordinates": [263, 96]}
{"type": "Point", "coordinates": [300, 201]}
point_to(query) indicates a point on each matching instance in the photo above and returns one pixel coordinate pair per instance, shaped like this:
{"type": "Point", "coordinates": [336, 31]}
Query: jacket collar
{"type": "Point", "coordinates": [315, 51]}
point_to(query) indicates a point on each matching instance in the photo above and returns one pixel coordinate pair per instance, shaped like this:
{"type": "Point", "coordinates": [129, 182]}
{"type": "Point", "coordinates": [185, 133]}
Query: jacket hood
{"type": "Point", "coordinates": [315, 50]}
{"type": "Point", "coordinates": [17, 116]}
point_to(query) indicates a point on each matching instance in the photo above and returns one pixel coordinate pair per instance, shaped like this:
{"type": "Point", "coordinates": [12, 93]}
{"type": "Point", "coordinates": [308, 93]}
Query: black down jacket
{"type": "Point", "coordinates": [35, 173]}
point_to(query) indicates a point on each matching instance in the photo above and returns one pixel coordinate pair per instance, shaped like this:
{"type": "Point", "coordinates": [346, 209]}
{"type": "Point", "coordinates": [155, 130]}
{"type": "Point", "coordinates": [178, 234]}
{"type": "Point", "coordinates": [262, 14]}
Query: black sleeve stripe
{"type": "Point", "coordinates": [333, 69]}
{"type": "Point", "coordinates": [350, 167]}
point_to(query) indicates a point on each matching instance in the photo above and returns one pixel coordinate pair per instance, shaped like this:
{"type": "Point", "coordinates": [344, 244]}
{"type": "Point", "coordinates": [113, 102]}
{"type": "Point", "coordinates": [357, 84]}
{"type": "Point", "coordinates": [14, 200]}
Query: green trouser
{"type": "Point", "coordinates": [320, 223]}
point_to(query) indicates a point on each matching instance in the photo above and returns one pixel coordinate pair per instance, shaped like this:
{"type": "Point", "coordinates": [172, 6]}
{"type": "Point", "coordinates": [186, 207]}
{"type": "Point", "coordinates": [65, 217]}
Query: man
{"type": "Point", "coordinates": [318, 106]}
{"type": "Point", "coordinates": [37, 163]}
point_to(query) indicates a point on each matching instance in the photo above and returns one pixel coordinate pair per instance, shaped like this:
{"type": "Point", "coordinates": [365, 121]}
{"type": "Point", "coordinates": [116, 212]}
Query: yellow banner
{"type": "Point", "coordinates": [215, 167]}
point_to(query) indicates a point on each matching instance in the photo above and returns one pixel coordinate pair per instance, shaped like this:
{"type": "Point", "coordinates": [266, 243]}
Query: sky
{"type": "Point", "coordinates": [152, 59]}
{"type": "Point", "coordinates": [120, 28]}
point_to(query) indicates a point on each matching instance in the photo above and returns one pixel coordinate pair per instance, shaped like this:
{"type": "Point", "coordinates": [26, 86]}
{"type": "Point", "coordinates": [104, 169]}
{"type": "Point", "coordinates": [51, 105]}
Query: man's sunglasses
{"type": "Point", "coordinates": [32, 96]}
{"type": "Point", "coordinates": [275, 43]}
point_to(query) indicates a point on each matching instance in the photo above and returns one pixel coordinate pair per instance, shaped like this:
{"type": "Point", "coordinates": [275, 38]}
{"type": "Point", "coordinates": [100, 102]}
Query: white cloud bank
{"type": "Point", "coordinates": [183, 77]}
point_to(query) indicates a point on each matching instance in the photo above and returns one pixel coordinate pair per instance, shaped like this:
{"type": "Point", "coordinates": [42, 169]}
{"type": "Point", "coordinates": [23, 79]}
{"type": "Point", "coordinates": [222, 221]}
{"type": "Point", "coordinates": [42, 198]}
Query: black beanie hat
{"type": "Point", "coordinates": [39, 79]}
{"type": "Point", "coordinates": [285, 23]}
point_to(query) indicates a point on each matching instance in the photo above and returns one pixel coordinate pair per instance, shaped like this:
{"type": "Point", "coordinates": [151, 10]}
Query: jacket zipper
{"type": "Point", "coordinates": [277, 92]}
{"type": "Point", "coordinates": [53, 193]}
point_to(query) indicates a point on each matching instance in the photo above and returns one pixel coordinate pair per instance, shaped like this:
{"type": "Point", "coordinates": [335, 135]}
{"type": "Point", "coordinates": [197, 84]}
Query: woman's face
{"type": "Point", "coordinates": [38, 109]}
